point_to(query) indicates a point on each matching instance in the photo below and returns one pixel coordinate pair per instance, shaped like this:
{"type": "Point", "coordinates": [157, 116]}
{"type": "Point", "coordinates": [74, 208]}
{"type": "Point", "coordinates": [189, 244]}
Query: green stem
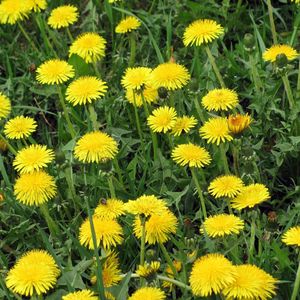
{"type": "Point", "coordinates": [235, 155]}
{"type": "Point", "coordinates": [229, 207]}
{"type": "Point", "coordinates": [198, 109]}
{"type": "Point", "coordinates": [224, 158]}
{"type": "Point", "coordinates": [272, 24]}
{"type": "Point", "coordinates": [295, 31]}
{"type": "Point", "coordinates": [296, 284]}
{"type": "Point", "coordinates": [111, 187]}
{"type": "Point", "coordinates": [288, 91]}
{"type": "Point", "coordinates": [93, 117]}
{"type": "Point", "coordinates": [119, 172]}
{"type": "Point", "coordinates": [69, 34]}
{"type": "Point", "coordinates": [96, 70]}
{"type": "Point", "coordinates": [174, 281]}
{"type": "Point", "coordinates": [298, 84]}
{"type": "Point", "coordinates": [252, 238]}
{"type": "Point", "coordinates": [143, 238]}
{"type": "Point", "coordinates": [168, 258]}
{"type": "Point", "coordinates": [27, 37]}
{"type": "Point", "coordinates": [53, 228]}
{"type": "Point", "coordinates": [9, 146]}
{"type": "Point", "coordinates": [132, 49]}
{"type": "Point", "coordinates": [256, 79]}
{"type": "Point", "coordinates": [172, 100]}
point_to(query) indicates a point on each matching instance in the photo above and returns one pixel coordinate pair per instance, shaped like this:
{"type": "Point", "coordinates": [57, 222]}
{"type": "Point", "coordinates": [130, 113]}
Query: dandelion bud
{"type": "Point", "coordinates": [281, 61]}
{"type": "Point", "coordinates": [249, 42]}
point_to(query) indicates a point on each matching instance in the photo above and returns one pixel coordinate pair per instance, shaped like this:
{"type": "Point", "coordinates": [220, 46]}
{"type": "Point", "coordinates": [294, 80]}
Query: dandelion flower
{"type": "Point", "coordinates": [63, 16]}
{"type": "Point", "coordinates": [54, 71]}
{"type": "Point", "coordinates": [81, 295]}
{"type": "Point", "coordinates": [110, 209]}
{"type": "Point", "coordinates": [238, 123]}
{"type": "Point", "coordinates": [37, 5]}
{"type": "Point", "coordinates": [221, 225]}
{"type": "Point", "coordinates": [169, 272]}
{"type": "Point", "coordinates": [90, 46]}
{"type": "Point", "coordinates": [191, 155]}
{"type": "Point", "coordinates": [20, 127]}
{"type": "Point", "coordinates": [149, 93]}
{"type": "Point", "coordinates": [5, 106]}
{"type": "Point", "coordinates": [32, 158]}
{"type": "Point", "coordinates": [162, 119]}
{"type": "Point", "coordinates": [170, 75]}
{"type": "Point", "coordinates": [250, 195]}
{"type": "Point", "coordinates": [127, 25]}
{"type": "Point", "coordinates": [250, 282]}
{"type": "Point", "coordinates": [183, 124]}
{"type": "Point", "coordinates": [215, 131]}
{"type": "Point", "coordinates": [148, 293]}
{"type": "Point", "coordinates": [35, 188]}
{"type": "Point", "coordinates": [225, 186]}
{"type": "Point", "coordinates": [108, 233]}
{"type": "Point", "coordinates": [148, 270]}
{"type": "Point", "coordinates": [220, 99]}
{"type": "Point", "coordinates": [12, 11]}
{"type": "Point", "coordinates": [202, 32]}
{"type": "Point", "coordinates": [95, 147]}
{"type": "Point", "coordinates": [211, 274]}
{"type": "Point", "coordinates": [136, 78]}
{"type": "Point", "coordinates": [292, 236]}
{"type": "Point", "coordinates": [271, 53]}
{"type": "Point", "coordinates": [85, 89]}
{"type": "Point", "coordinates": [34, 273]}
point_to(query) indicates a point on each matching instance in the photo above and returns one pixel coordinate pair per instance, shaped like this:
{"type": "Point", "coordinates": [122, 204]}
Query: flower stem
{"type": "Point", "coordinates": [224, 158]}
{"type": "Point", "coordinates": [93, 117]}
{"type": "Point", "coordinates": [138, 123]}
{"type": "Point", "coordinates": [132, 49]}
{"type": "Point", "coordinates": [298, 83]}
{"type": "Point", "coordinates": [53, 228]}
{"type": "Point", "coordinates": [198, 109]}
{"type": "Point", "coordinates": [168, 258]}
{"type": "Point", "coordinates": [27, 37]}
{"type": "Point", "coordinates": [69, 34]}
{"type": "Point", "coordinates": [297, 283]}
{"type": "Point", "coordinates": [256, 79]}
{"type": "Point", "coordinates": [252, 237]}
{"type": "Point", "coordinates": [111, 186]}
{"type": "Point", "coordinates": [288, 91]}
{"type": "Point", "coordinates": [9, 146]}
{"type": "Point", "coordinates": [174, 281]}
{"type": "Point", "coordinates": [272, 24]}
{"type": "Point", "coordinates": [235, 155]}
{"type": "Point", "coordinates": [143, 237]}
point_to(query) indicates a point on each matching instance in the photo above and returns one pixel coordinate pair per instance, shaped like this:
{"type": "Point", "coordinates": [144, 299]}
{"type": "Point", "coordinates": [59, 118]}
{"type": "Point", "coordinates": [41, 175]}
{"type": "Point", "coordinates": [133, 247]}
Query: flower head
{"type": "Point", "coordinates": [20, 127]}
{"type": "Point", "coordinates": [90, 46]}
{"type": "Point", "coordinates": [95, 147]}
{"type": "Point", "coordinates": [5, 106]}
{"type": "Point", "coordinates": [271, 53]}
{"type": "Point", "coordinates": [108, 233]}
{"type": "Point", "coordinates": [54, 71]}
{"type": "Point", "coordinates": [110, 209]}
{"type": "Point", "coordinates": [211, 274]}
{"type": "Point", "coordinates": [250, 196]}
{"type": "Point", "coordinates": [127, 25]}
{"type": "Point", "coordinates": [183, 124]}
{"type": "Point", "coordinates": [80, 295]}
{"type": "Point", "coordinates": [149, 93]}
{"type": "Point", "coordinates": [292, 236]}
{"type": "Point", "coordinates": [35, 272]}
{"type": "Point", "coordinates": [63, 16]}
{"type": "Point", "coordinates": [191, 155]}
{"type": "Point", "coordinates": [215, 131]}
{"type": "Point", "coordinates": [162, 119]}
{"type": "Point", "coordinates": [238, 123]}
{"type": "Point", "coordinates": [148, 293]}
{"type": "Point", "coordinates": [136, 78]}
{"type": "Point", "coordinates": [148, 270]}
{"type": "Point", "coordinates": [35, 188]}
{"type": "Point", "coordinates": [202, 32]}
{"type": "Point", "coordinates": [170, 75]}
{"type": "Point", "coordinates": [12, 11]}
{"type": "Point", "coordinates": [225, 186]}
{"type": "Point", "coordinates": [250, 282]}
{"type": "Point", "coordinates": [37, 5]}
{"type": "Point", "coordinates": [32, 158]}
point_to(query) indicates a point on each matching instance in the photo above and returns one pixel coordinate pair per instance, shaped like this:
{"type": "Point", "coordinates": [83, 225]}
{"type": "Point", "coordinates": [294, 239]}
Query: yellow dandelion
{"type": "Point", "coordinates": [169, 272]}
{"type": "Point", "coordinates": [54, 71]}
{"type": "Point", "coordinates": [5, 106]}
{"type": "Point", "coordinates": [37, 5]}
{"type": "Point", "coordinates": [90, 46]}
{"type": "Point", "coordinates": [148, 270]}
{"type": "Point", "coordinates": [215, 131]}
{"type": "Point", "coordinates": [225, 186]}
{"type": "Point", "coordinates": [292, 236]}
{"type": "Point", "coordinates": [170, 75]}
{"type": "Point", "coordinates": [149, 94]}
{"type": "Point", "coordinates": [250, 196]}
{"type": "Point", "coordinates": [271, 53]}
{"type": "Point", "coordinates": [162, 119]}
{"type": "Point", "coordinates": [63, 16]}
{"type": "Point", "coordinates": [221, 225]}
{"type": "Point", "coordinates": [95, 147]}
{"type": "Point", "coordinates": [12, 11]}
{"type": "Point", "coordinates": [250, 282]}
{"type": "Point", "coordinates": [191, 155]}
{"type": "Point", "coordinates": [35, 188]}
{"type": "Point", "coordinates": [183, 124]}
{"type": "Point", "coordinates": [110, 209]}
{"type": "Point", "coordinates": [136, 78]}
{"type": "Point", "coordinates": [85, 89]}
{"type": "Point", "coordinates": [108, 233]}
{"type": "Point", "coordinates": [127, 25]}
{"type": "Point", "coordinates": [220, 99]}
{"type": "Point", "coordinates": [34, 273]}
{"type": "Point", "coordinates": [211, 274]}
{"type": "Point", "coordinates": [19, 127]}
{"type": "Point", "coordinates": [81, 295]}
{"type": "Point", "coordinates": [202, 31]}
{"type": "Point", "coordinates": [32, 158]}
{"type": "Point", "coordinates": [238, 123]}
{"type": "Point", "coordinates": [148, 293]}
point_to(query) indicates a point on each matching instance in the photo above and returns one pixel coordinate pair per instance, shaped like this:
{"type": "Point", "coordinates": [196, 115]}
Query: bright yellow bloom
{"type": "Point", "coordinates": [136, 78]}
{"type": "Point", "coordinates": [292, 236]}
{"type": "Point", "coordinates": [85, 89]}
{"type": "Point", "coordinates": [215, 131]}
{"type": "Point", "coordinates": [20, 127]}
{"type": "Point", "coordinates": [220, 99]}
{"type": "Point", "coordinates": [250, 283]}
{"type": "Point", "coordinates": [35, 272]}
{"type": "Point", "coordinates": [221, 225]}
{"type": "Point", "coordinates": [81, 295]}
{"type": "Point", "coordinates": [63, 16]}
{"type": "Point", "coordinates": [12, 11]}
{"type": "Point", "coordinates": [148, 270]}
{"type": "Point", "coordinates": [32, 158]}
{"type": "Point", "coordinates": [211, 274]}
{"type": "Point", "coordinates": [202, 32]}
{"type": "Point", "coordinates": [148, 293]}
{"type": "Point", "coordinates": [183, 124]}
{"type": "Point", "coordinates": [166, 284]}
{"type": "Point", "coordinates": [162, 119]}
{"type": "Point", "coordinates": [37, 5]}
{"type": "Point", "coordinates": [5, 106]}
{"type": "Point", "coordinates": [191, 155]}
{"type": "Point", "coordinates": [90, 46]}
{"type": "Point", "coordinates": [110, 209]}
{"type": "Point", "coordinates": [250, 196]}
{"type": "Point", "coordinates": [149, 93]}
{"type": "Point", "coordinates": [271, 53]}
{"type": "Point", "coordinates": [108, 233]}
{"type": "Point", "coordinates": [95, 147]}
{"type": "Point", "coordinates": [238, 123]}
{"type": "Point", "coordinates": [170, 75]}
{"type": "Point", "coordinates": [127, 25]}
{"type": "Point", "coordinates": [35, 188]}
{"type": "Point", "coordinates": [225, 186]}
{"type": "Point", "coordinates": [54, 71]}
